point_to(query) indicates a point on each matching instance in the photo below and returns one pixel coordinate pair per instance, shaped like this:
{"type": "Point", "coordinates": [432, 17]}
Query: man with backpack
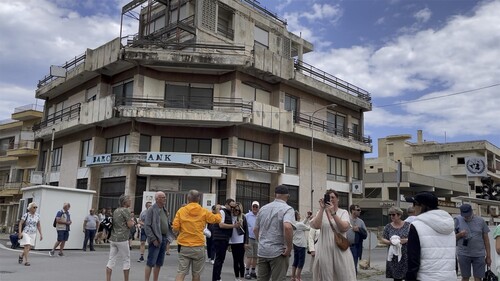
{"type": "Point", "coordinates": [61, 223]}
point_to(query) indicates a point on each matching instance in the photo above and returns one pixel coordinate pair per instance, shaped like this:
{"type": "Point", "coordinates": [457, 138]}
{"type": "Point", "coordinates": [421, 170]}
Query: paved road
{"type": "Point", "coordinates": [90, 266]}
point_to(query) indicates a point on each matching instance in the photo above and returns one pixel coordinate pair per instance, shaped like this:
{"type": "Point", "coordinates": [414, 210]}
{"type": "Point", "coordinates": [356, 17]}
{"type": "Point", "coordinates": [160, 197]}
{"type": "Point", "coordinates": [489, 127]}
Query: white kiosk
{"type": "Point", "coordinates": [50, 200]}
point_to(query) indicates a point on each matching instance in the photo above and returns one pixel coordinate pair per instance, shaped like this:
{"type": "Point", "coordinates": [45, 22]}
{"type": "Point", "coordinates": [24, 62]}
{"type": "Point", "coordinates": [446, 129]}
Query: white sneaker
{"type": "Point", "coordinates": [212, 262]}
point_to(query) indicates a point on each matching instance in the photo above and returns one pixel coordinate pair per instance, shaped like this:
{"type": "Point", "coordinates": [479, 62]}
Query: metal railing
{"type": "Point", "coordinates": [263, 10]}
{"type": "Point", "coordinates": [331, 80]}
{"type": "Point", "coordinates": [27, 107]}
{"type": "Point", "coordinates": [71, 64]}
{"type": "Point", "coordinates": [23, 144]}
{"type": "Point", "coordinates": [225, 31]}
{"type": "Point", "coordinates": [330, 127]}
{"type": "Point", "coordinates": [65, 114]}
{"type": "Point", "coordinates": [194, 102]}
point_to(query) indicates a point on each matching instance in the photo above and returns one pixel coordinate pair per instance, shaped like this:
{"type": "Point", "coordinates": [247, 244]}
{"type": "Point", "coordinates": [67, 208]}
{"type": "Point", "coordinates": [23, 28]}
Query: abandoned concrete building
{"type": "Point", "coordinates": [208, 95]}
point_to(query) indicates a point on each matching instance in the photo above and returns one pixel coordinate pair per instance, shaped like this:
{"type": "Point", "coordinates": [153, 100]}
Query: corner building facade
{"type": "Point", "coordinates": [223, 82]}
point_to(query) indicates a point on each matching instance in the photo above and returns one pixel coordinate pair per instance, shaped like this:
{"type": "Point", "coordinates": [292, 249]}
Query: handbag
{"type": "Point", "coordinates": [489, 275]}
{"type": "Point", "coordinates": [341, 242]}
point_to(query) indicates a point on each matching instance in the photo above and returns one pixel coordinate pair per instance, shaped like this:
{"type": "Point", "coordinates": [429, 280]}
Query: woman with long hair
{"type": "Point", "coordinates": [31, 223]}
{"type": "Point", "coordinates": [239, 241]}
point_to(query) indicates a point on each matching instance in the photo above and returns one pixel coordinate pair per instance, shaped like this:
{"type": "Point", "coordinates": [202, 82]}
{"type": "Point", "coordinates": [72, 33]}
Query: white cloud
{"type": "Point", "coordinates": [459, 56]}
{"type": "Point", "coordinates": [423, 15]}
{"type": "Point", "coordinates": [325, 11]}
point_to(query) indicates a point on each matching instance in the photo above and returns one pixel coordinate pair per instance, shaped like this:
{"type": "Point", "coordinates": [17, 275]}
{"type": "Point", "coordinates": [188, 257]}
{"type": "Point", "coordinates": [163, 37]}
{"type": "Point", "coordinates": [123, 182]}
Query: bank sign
{"type": "Point", "coordinates": [98, 159]}
{"type": "Point", "coordinates": [168, 157]}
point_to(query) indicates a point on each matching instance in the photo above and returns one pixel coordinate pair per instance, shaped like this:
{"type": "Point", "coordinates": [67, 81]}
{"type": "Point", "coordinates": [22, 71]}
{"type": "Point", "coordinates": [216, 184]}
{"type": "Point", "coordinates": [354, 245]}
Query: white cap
{"type": "Point", "coordinates": [255, 203]}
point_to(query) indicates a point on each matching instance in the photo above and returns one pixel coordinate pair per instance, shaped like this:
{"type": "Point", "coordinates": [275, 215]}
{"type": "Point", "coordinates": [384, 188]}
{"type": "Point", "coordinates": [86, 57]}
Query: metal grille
{"type": "Point", "coordinates": [286, 47]}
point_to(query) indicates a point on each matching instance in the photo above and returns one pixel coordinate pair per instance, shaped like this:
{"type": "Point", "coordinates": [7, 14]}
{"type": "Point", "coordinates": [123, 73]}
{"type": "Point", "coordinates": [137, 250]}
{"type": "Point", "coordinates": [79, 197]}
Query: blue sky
{"type": "Point", "coordinates": [431, 65]}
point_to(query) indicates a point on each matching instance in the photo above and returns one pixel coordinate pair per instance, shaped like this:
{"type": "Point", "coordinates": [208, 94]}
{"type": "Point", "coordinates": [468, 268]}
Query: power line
{"type": "Point", "coordinates": [438, 97]}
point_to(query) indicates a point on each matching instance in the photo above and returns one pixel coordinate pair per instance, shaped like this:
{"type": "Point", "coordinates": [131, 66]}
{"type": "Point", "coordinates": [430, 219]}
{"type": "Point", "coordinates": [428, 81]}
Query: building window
{"type": "Point", "coordinates": [336, 124]}
{"type": "Point", "coordinates": [56, 159]}
{"type": "Point", "coordinates": [225, 23]}
{"type": "Point", "coordinates": [81, 183]}
{"type": "Point", "coordinates": [42, 161]}
{"type": "Point", "coordinates": [292, 104]}
{"type": "Point", "coordinates": [261, 36]}
{"type": "Point", "coordinates": [337, 169]}
{"type": "Point", "coordinates": [247, 192]}
{"type": "Point", "coordinates": [17, 175]}
{"type": "Point", "coordinates": [290, 157]}
{"type": "Point", "coordinates": [189, 96]}
{"type": "Point", "coordinates": [186, 145]}
{"type": "Point", "coordinates": [224, 150]}
{"type": "Point", "coordinates": [355, 170]}
{"type": "Point", "coordinates": [5, 144]}
{"type": "Point", "coordinates": [250, 149]}
{"type": "Point", "coordinates": [91, 94]}
{"type": "Point", "coordinates": [86, 150]}
{"type": "Point", "coordinates": [124, 92]}
{"type": "Point", "coordinates": [293, 199]}
{"type": "Point", "coordinates": [145, 143]}
{"type": "Point", "coordinates": [117, 144]}
{"type": "Point", "coordinates": [460, 161]}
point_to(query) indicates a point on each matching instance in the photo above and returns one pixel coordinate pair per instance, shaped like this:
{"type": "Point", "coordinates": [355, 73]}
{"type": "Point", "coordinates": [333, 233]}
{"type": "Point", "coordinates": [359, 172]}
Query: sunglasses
{"type": "Point", "coordinates": [392, 215]}
{"type": "Point", "coordinates": [35, 207]}
{"type": "Point", "coordinates": [357, 210]}
{"type": "Point", "coordinates": [255, 206]}
{"type": "Point", "coordinates": [237, 210]}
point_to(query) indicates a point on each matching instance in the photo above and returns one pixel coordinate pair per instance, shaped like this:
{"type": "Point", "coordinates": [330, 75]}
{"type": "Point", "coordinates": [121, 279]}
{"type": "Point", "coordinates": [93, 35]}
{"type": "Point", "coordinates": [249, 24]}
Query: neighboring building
{"type": "Point", "coordinates": [426, 166]}
{"type": "Point", "coordinates": [18, 158]}
{"type": "Point", "coordinates": [223, 82]}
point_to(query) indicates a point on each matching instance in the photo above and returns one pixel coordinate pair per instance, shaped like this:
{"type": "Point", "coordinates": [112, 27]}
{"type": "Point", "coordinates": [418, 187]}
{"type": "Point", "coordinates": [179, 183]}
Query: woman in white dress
{"type": "Point", "coordinates": [331, 263]}
{"type": "Point", "coordinates": [27, 234]}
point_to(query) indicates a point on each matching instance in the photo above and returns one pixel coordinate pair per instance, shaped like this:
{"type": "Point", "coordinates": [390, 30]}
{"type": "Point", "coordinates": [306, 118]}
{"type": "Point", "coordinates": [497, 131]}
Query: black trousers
{"type": "Point", "coordinates": [238, 251]}
{"type": "Point", "coordinates": [220, 255]}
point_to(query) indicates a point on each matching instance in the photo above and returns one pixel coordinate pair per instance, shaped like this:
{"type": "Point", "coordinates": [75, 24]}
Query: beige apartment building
{"type": "Point", "coordinates": [426, 166]}
{"type": "Point", "coordinates": [18, 158]}
{"type": "Point", "coordinates": [211, 95]}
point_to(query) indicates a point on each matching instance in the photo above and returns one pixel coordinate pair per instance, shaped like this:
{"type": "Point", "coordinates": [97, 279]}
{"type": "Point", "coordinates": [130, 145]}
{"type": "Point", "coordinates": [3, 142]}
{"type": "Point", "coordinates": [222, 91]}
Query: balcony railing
{"type": "Point", "coordinates": [331, 80]}
{"type": "Point", "coordinates": [225, 31]}
{"type": "Point", "coordinates": [229, 104]}
{"type": "Point", "coordinates": [67, 65]}
{"type": "Point", "coordinates": [23, 144]}
{"type": "Point", "coordinates": [263, 10]}
{"type": "Point", "coordinates": [27, 107]}
{"type": "Point", "coordinates": [330, 127]}
{"type": "Point", "coordinates": [65, 114]}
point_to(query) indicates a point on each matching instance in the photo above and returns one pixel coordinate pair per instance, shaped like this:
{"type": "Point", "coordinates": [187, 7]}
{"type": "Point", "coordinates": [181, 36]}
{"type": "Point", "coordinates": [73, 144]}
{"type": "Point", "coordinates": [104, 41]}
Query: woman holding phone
{"type": "Point", "coordinates": [327, 253]}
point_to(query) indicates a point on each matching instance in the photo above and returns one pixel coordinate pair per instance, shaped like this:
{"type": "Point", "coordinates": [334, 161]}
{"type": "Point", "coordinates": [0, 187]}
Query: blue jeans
{"type": "Point", "coordinates": [89, 234]}
{"type": "Point", "coordinates": [356, 250]}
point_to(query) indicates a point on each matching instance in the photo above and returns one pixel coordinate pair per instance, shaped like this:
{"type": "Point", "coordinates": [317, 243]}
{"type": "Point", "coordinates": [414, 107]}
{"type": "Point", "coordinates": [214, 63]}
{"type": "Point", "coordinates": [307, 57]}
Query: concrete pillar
{"type": "Point", "coordinates": [230, 184]}
{"type": "Point", "coordinates": [94, 178]}
{"type": "Point", "coordinates": [131, 182]}
{"type": "Point", "coordinates": [134, 141]}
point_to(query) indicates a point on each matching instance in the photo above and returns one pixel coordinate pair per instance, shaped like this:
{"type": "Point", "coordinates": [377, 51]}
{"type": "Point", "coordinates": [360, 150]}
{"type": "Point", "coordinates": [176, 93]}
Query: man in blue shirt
{"type": "Point", "coordinates": [63, 221]}
{"type": "Point", "coordinates": [251, 252]}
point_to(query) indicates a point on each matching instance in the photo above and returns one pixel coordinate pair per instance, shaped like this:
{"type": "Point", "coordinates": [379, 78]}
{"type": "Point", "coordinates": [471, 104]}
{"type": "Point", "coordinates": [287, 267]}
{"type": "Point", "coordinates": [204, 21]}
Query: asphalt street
{"type": "Point", "coordinates": [90, 266]}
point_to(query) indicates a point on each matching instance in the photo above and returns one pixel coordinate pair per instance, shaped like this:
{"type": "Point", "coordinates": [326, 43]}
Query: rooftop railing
{"type": "Point", "coordinates": [67, 65]}
{"type": "Point", "coordinates": [256, 5]}
{"type": "Point", "coordinates": [331, 80]}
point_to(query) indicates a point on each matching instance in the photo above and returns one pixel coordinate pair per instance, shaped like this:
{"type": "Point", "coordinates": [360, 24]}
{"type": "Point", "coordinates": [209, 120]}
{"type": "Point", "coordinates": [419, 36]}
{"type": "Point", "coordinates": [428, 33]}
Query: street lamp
{"type": "Point", "coordinates": [312, 146]}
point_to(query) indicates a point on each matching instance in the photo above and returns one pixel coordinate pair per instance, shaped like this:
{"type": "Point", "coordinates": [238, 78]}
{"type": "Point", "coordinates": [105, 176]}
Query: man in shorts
{"type": "Point", "coordinates": [143, 237]}
{"type": "Point", "coordinates": [189, 222]}
{"type": "Point", "coordinates": [251, 252]}
{"type": "Point", "coordinates": [63, 221]}
{"type": "Point", "coordinates": [156, 228]}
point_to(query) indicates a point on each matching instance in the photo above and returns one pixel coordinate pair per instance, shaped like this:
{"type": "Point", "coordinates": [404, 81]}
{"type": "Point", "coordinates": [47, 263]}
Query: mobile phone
{"type": "Point", "coordinates": [326, 199]}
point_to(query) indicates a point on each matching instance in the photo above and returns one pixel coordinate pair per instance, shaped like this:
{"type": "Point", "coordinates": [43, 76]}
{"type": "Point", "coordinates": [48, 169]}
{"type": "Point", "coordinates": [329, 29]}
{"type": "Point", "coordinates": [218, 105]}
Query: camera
{"type": "Point", "coordinates": [326, 199]}
{"type": "Point", "coordinates": [465, 242]}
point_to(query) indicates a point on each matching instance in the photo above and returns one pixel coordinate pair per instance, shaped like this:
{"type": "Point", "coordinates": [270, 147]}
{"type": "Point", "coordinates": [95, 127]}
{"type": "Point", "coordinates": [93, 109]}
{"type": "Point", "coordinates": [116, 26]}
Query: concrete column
{"type": "Point", "coordinates": [230, 184]}
{"type": "Point", "coordinates": [232, 146]}
{"type": "Point", "coordinates": [131, 182]}
{"type": "Point", "coordinates": [94, 178]}
{"type": "Point", "coordinates": [134, 141]}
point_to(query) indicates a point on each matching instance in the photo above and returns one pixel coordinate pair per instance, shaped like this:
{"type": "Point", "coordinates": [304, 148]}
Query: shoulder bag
{"type": "Point", "coordinates": [341, 242]}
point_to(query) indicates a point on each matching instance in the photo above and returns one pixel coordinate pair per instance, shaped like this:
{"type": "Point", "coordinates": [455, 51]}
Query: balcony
{"type": "Point", "coordinates": [10, 189]}
{"type": "Point", "coordinates": [10, 124]}
{"type": "Point", "coordinates": [28, 112]}
{"type": "Point", "coordinates": [337, 83]}
{"type": "Point", "coordinates": [68, 113]}
{"type": "Point", "coordinates": [24, 148]}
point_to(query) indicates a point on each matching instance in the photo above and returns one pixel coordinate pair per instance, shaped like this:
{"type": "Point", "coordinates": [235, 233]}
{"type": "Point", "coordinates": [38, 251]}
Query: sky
{"type": "Point", "coordinates": [431, 65]}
